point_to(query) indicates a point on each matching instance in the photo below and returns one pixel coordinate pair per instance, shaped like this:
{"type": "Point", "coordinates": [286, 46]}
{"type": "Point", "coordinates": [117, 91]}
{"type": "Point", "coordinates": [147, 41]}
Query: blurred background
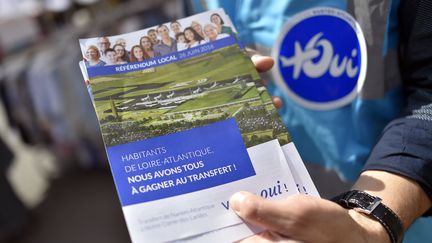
{"type": "Point", "coordinates": [55, 182]}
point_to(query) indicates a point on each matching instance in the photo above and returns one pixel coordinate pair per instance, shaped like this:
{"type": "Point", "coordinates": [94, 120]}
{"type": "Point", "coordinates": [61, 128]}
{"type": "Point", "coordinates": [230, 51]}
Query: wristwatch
{"type": "Point", "coordinates": [371, 205]}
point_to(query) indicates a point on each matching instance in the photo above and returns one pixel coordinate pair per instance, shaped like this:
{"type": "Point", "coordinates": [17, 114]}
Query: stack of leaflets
{"type": "Point", "coordinates": [186, 123]}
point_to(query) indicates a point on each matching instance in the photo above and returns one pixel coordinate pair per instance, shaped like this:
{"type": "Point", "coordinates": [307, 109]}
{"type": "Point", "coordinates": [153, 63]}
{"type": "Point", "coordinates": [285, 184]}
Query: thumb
{"type": "Point", "coordinates": [258, 211]}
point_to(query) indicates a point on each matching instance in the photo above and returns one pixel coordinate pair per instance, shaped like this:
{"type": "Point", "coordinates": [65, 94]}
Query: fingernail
{"type": "Point", "coordinates": [236, 201]}
{"type": "Point", "coordinates": [256, 57]}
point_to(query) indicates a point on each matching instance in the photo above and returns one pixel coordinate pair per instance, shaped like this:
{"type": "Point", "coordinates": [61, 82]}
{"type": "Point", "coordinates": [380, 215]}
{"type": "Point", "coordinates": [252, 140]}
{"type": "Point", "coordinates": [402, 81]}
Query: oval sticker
{"type": "Point", "coordinates": [320, 58]}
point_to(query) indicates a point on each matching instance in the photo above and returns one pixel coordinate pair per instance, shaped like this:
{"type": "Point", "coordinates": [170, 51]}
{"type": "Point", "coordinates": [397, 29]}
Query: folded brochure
{"type": "Point", "coordinates": [186, 124]}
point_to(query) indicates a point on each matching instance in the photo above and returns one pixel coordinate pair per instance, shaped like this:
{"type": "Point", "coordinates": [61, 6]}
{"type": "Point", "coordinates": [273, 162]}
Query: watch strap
{"type": "Point", "coordinates": [373, 206]}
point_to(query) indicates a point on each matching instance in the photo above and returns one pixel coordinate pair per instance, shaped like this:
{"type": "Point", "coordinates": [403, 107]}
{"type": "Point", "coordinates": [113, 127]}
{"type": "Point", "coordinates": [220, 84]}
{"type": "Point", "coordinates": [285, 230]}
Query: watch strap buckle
{"type": "Point", "coordinates": [368, 209]}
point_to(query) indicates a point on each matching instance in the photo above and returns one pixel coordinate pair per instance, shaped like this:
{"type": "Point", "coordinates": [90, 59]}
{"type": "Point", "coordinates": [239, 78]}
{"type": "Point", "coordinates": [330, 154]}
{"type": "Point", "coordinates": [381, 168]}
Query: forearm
{"type": "Point", "coordinates": [404, 196]}
{"type": "Point", "coordinates": [405, 147]}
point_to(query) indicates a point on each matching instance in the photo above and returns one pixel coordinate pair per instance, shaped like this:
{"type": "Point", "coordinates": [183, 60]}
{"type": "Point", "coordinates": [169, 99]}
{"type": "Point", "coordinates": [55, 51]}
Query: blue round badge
{"type": "Point", "coordinates": [321, 58]}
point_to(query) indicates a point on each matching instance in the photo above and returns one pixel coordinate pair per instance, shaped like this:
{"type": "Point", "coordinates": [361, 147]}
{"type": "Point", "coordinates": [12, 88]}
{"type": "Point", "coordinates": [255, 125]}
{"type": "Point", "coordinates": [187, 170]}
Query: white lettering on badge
{"type": "Point", "coordinates": [328, 62]}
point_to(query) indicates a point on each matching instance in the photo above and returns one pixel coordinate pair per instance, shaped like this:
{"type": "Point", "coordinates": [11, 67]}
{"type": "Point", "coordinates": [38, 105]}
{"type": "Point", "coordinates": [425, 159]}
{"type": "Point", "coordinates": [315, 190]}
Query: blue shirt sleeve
{"type": "Point", "coordinates": [405, 147]}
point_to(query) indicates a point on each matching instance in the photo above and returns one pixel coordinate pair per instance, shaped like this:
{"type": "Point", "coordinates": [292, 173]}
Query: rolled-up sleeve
{"type": "Point", "coordinates": [405, 146]}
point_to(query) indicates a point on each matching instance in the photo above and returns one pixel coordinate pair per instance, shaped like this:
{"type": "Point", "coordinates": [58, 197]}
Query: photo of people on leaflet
{"type": "Point", "coordinates": [93, 57]}
{"type": "Point", "coordinates": [161, 40]}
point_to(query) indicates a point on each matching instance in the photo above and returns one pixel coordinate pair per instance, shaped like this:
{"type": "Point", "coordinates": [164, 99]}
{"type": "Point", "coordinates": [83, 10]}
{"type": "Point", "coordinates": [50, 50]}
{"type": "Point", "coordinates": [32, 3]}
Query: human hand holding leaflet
{"type": "Point", "coordinates": [302, 218]}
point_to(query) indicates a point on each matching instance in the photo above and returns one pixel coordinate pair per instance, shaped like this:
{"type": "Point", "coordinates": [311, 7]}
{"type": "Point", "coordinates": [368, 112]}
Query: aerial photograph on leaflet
{"type": "Point", "coordinates": [189, 93]}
